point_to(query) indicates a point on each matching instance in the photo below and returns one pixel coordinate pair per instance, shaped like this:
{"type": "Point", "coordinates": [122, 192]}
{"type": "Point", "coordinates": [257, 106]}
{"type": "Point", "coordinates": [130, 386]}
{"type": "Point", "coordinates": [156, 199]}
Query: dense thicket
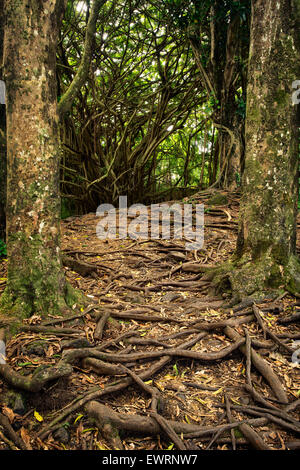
{"type": "Point", "coordinates": [164, 103]}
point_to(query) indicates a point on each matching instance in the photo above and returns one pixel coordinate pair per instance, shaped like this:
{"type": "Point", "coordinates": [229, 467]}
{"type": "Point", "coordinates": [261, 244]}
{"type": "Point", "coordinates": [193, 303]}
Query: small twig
{"type": "Point", "coordinates": [216, 436]}
{"type": "Point", "coordinates": [291, 318]}
{"type": "Point", "coordinates": [97, 392]}
{"type": "Point", "coordinates": [201, 386]}
{"type": "Point", "coordinates": [230, 420]}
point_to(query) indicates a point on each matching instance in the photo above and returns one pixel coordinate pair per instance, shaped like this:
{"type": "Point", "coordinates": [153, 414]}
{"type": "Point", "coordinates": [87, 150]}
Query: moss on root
{"type": "Point", "coordinates": [292, 275]}
{"type": "Point", "coordinates": [246, 278]}
{"type": "Point", "coordinates": [217, 200]}
{"type": "Point", "coordinates": [14, 310]}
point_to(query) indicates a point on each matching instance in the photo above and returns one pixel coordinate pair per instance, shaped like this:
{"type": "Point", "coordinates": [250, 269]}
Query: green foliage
{"type": "Point", "coordinates": [238, 179]}
{"type": "Point", "coordinates": [241, 107]}
{"type": "Point", "coordinates": [137, 106]}
{"type": "Point", "coordinates": [144, 121]}
{"type": "Point", "coordinates": [67, 208]}
{"type": "Point", "coordinates": [186, 12]}
{"type": "Point", "coordinates": [212, 103]}
{"type": "Point", "coordinates": [3, 251]}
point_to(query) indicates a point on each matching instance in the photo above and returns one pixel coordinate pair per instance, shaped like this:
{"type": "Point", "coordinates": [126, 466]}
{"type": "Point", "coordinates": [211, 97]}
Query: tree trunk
{"type": "Point", "coordinates": [266, 248]}
{"type": "Point", "coordinates": [2, 173]}
{"type": "Point", "coordinates": [36, 282]}
{"type": "Point", "coordinates": [2, 139]}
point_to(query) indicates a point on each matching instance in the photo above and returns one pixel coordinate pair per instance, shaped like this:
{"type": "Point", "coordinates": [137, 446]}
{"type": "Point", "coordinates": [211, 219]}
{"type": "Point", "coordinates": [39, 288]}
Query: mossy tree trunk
{"type": "Point", "coordinates": [36, 282]}
{"type": "Point", "coordinates": [2, 173]}
{"type": "Point", "coordinates": [266, 249]}
{"type": "Point", "coordinates": [2, 139]}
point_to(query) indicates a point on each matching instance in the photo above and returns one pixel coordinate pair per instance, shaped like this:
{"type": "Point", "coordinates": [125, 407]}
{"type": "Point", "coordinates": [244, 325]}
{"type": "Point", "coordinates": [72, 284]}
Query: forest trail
{"type": "Point", "coordinates": [151, 314]}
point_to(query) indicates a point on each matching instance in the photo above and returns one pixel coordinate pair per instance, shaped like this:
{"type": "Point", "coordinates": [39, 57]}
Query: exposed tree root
{"type": "Point", "coordinates": [79, 266]}
{"type": "Point", "coordinates": [148, 425]}
{"type": "Point", "coordinates": [110, 364]}
{"type": "Point", "coordinates": [267, 331]}
{"type": "Point", "coordinates": [290, 319]}
{"type": "Point", "coordinates": [38, 380]}
{"type": "Point", "coordinates": [253, 437]}
{"type": "Point", "coordinates": [71, 356]}
{"type": "Point", "coordinates": [262, 366]}
{"type": "Point", "coordinates": [100, 326]}
{"type": "Point", "coordinates": [14, 310]}
{"type": "Point", "coordinates": [11, 434]}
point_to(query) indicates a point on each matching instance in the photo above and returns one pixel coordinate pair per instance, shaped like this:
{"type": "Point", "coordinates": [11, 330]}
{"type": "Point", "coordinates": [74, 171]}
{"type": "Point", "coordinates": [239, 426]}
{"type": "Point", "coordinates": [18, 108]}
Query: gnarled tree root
{"type": "Point", "coordinates": [73, 355]}
{"type": "Point", "coordinates": [253, 437]}
{"type": "Point", "coordinates": [104, 416]}
{"type": "Point", "coordinates": [261, 365]}
{"type": "Point", "coordinates": [11, 434]}
{"type": "Point", "coordinates": [39, 378]}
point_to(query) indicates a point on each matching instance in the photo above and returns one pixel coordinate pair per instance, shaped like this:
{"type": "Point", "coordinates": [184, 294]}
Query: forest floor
{"type": "Point", "coordinates": [213, 377]}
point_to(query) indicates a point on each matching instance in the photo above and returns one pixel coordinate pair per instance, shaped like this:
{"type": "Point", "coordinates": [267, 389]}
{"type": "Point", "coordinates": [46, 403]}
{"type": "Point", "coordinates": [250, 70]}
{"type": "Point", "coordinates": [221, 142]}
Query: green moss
{"type": "Point", "coordinates": [292, 275]}
{"type": "Point", "coordinates": [217, 200]}
{"type": "Point", "coordinates": [281, 98]}
{"type": "Point", "coordinates": [74, 296]}
{"type": "Point", "coordinates": [14, 309]}
{"type": "Point", "coordinates": [245, 277]}
{"type": "Point", "coordinates": [254, 114]}
{"type": "Point", "coordinates": [36, 285]}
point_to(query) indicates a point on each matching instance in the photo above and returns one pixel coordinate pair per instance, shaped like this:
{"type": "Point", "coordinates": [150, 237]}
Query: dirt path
{"type": "Point", "coordinates": [156, 345]}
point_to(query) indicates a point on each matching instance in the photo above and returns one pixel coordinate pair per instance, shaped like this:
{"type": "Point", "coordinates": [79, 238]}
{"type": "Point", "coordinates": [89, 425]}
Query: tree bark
{"type": "Point", "coordinates": [2, 172]}
{"type": "Point", "coordinates": [2, 139]}
{"type": "Point", "coordinates": [36, 281]}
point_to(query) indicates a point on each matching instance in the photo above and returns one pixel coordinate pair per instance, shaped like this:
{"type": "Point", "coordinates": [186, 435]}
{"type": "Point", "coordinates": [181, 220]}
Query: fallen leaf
{"type": "Point", "coordinates": [8, 412]}
{"type": "Point", "coordinates": [26, 438]}
{"type": "Point", "coordinates": [38, 417]}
